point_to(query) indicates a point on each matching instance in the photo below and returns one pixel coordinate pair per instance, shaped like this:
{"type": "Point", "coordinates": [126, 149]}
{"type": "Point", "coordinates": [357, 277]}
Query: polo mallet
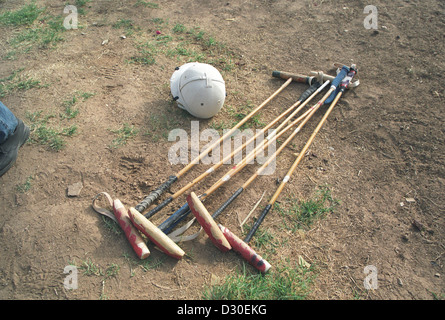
{"type": "Point", "coordinates": [236, 243]}
{"type": "Point", "coordinates": [313, 75]}
{"type": "Point", "coordinates": [132, 222]}
{"type": "Point", "coordinates": [181, 213]}
{"type": "Point", "coordinates": [160, 239]}
{"type": "Point", "coordinates": [148, 200]}
{"type": "Point", "coordinates": [129, 219]}
{"type": "Point", "coordinates": [306, 96]}
{"type": "Point", "coordinates": [305, 117]}
{"type": "Point", "coordinates": [344, 83]}
{"type": "Point", "coordinates": [267, 163]}
{"type": "Point", "coordinates": [222, 238]}
{"type": "Point", "coordinates": [120, 216]}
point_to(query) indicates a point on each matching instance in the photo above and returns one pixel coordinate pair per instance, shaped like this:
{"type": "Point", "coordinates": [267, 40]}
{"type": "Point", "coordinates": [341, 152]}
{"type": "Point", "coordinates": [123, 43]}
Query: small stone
{"type": "Point", "coordinates": [105, 42]}
{"type": "Point", "coordinates": [418, 225]}
{"type": "Point", "coordinates": [437, 275]}
{"type": "Point", "coordinates": [74, 189]}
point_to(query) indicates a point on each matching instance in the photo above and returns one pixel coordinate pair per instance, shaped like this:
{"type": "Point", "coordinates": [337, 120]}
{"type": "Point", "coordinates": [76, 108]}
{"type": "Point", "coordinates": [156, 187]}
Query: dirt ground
{"type": "Point", "coordinates": [381, 150]}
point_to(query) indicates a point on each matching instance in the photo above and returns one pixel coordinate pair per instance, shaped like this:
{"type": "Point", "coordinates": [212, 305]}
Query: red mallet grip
{"type": "Point", "coordinates": [130, 231]}
{"type": "Point", "coordinates": [159, 238]}
{"type": "Point", "coordinates": [246, 252]}
{"type": "Point", "coordinates": [208, 224]}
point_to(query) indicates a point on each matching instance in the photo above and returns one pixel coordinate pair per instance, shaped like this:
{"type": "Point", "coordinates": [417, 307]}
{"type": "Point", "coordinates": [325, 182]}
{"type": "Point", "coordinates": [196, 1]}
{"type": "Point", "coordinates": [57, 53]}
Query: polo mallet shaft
{"type": "Point", "coordinates": [345, 76]}
{"type": "Point", "coordinates": [313, 76]}
{"type": "Point", "coordinates": [180, 214]}
{"type": "Point", "coordinates": [306, 95]}
{"type": "Point", "coordinates": [258, 172]}
{"type": "Point", "coordinates": [147, 201]}
{"type": "Point", "coordinates": [295, 77]}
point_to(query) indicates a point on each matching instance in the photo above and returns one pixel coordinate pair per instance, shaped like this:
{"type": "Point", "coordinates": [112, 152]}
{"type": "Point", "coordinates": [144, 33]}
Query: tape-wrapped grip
{"type": "Point", "coordinates": [155, 194]}
{"type": "Point", "coordinates": [257, 223]}
{"type": "Point", "coordinates": [226, 204]}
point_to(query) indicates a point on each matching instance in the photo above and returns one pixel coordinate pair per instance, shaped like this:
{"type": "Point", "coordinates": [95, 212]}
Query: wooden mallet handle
{"type": "Point", "coordinates": [295, 77]}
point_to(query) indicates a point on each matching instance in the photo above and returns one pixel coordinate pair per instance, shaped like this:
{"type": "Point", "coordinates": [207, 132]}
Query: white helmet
{"type": "Point", "coordinates": [199, 89]}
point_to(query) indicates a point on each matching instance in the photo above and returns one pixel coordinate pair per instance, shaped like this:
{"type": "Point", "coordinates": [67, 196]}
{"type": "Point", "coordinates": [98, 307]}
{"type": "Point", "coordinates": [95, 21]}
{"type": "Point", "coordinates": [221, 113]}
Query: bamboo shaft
{"type": "Point", "coordinates": [303, 151]}
{"type": "Point", "coordinates": [288, 119]}
{"type": "Point", "coordinates": [229, 133]}
{"type": "Point", "coordinates": [233, 153]}
{"type": "Point", "coordinates": [252, 154]}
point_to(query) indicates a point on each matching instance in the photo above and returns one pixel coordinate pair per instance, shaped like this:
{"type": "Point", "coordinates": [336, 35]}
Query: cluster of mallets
{"type": "Point", "coordinates": [133, 221]}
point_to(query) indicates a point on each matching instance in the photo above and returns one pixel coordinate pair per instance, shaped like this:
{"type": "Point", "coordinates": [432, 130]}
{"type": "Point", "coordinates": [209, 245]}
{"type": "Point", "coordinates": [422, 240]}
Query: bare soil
{"type": "Point", "coordinates": [382, 144]}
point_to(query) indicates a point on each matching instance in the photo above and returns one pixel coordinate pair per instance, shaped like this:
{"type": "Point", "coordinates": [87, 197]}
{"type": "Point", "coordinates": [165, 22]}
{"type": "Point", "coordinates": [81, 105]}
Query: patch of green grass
{"type": "Point", "coordinates": [15, 82]}
{"type": "Point", "coordinates": [80, 4]}
{"type": "Point", "coordinates": [301, 214]}
{"type": "Point", "coordinates": [147, 54]}
{"type": "Point", "coordinates": [45, 134]}
{"type": "Point", "coordinates": [112, 225]}
{"type": "Point", "coordinates": [128, 26]}
{"type": "Point", "coordinates": [70, 111]}
{"type": "Point", "coordinates": [289, 281]}
{"type": "Point", "coordinates": [124, 133]}
{"type": "Point", "coordinates": [242, 111]}
{"type": "Point", "coordinates": [85, 95]}
{"type": "Point", "coordinates": [220, 126]}
{"type": "Point", "coordinates": [151, 263]}
{"type": "Point", "coordinates": [47, 32]}
{"type": "Point", "coordinates": [181, 50]}
{"type": "Point", "coordinates": [234, 115]}
{"type": "Point", "coordinates": [30, 34]}
{"type": "Point", "coordinates": [89, 268]}
{"type": "Point", "coordinates": [179, 28]}
{"type": "Point", "coordinates": [183, 43]}
{"type": "Point", "coordinates": [123, 23]}
{"type": "Point", "coordinates": [25, 16]}
{"type": "Point", "coordinates": [112, 270]}
{"type": "Point", "coordinates": [26, 186]}
{"type": "Point", "coordinates": [92, 269]}
{"type": "Point", "coordinates": [266, 241]}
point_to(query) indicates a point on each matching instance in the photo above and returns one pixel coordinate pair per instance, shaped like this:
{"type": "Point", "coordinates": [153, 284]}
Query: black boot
{"type": "Point", "coordinates": [9, 148]}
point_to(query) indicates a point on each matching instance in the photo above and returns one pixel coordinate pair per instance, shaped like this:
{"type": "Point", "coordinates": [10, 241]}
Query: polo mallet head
{"type": "Point", "coordinates": [245, 250]}
{"type": "Point", "coordinates": [159, 238]}
{"type": "Point", "coordinates": [222, 237]}
{"type": "Point", "coordinates": [207, 222]}
{"type": "Point", "coordinates": [130, 231]}
{"type": "Point", "coordinates": [120, 216]}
